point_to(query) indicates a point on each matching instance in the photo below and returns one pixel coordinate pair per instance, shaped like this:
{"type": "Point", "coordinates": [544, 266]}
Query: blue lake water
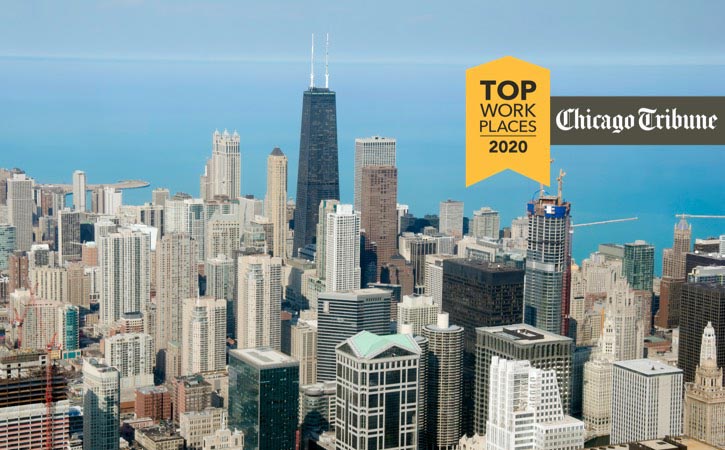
{"type": "Point", "coordinates": [153, 121]}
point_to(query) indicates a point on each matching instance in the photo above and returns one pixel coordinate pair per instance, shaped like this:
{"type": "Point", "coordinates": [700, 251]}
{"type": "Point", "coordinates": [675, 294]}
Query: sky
{"type": "Point", "coordinates": [569, 32]}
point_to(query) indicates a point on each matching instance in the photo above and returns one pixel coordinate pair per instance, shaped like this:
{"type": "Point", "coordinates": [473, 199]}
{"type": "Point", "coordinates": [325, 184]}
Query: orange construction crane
{"type": "Point", "coordinates": [49, 395]}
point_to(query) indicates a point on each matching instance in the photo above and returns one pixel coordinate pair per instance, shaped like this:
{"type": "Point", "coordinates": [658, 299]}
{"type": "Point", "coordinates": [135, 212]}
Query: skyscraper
{"type": "Point", "coordinates": [597, 391]}
{"type": "Point", "coordinates": [625, 312]}
{"type": "Point", "coordinates": [701, 303]}
{"type": "Point", "coordinates": [547, 351]}
{"type": "Point", "coordinates": [124, 258]}
{"type": "Point", "coordinates": [79, 191]}
{"type": "Point", "coordinates": [176, 279]}
{"type": "Point", "coordinates": [525, 410]}
{"type": "Point", "coordinates": [7, 244]}
{"type": "Point", "coordinates": [383, 415]}
{"type": "Point", "coordinates": [20, 209]}
{"type": "Point", "coordinates": [342, 249]}
{"type": "Point", "coordinates": [203, 340]}
{"type": "Point", "coordinates": [416, 311]}
{"type": "Point", "coordinates": [372, 151]}
{"type": "Point", "coordinates": [342, 315]}
{"type": "Point", "coordinates": [451, 218]}
{"type": "Point", "coordinates": [264, 397]}
{"type": "Point", "coordinates": [646, 401]}
{"type": "Point", "coordinates": [223, 171]}
{"type": "Point", "coordinates": [317, 176]}
{"type": "Point", "coordinates": [275, 203]}
{"type": "Point", "coordinates": [705, 397]}
{"type": "Point", "coordinates": [69, 236]}
{"type": "Point", "coordinates": [485, 223]}
{"type": "Point", "coordinates": [444, 379]}
{"type": "Point", "coordinates": [101, 405]}
{"type": "Point", "coordinates": [132, 355]}
{"type": "Point", "coordinates": [638, 267]}
{"type": "Point", "coordinates": [378, 217]}
{"type": "Point", "coordinates": [548, 260]}
{"type": "Point", "coordinates": [304, 348]}
{"type": "Point", "coordinates": [259, 297]}
{"type": "Point", "coordinates": [674, 263]}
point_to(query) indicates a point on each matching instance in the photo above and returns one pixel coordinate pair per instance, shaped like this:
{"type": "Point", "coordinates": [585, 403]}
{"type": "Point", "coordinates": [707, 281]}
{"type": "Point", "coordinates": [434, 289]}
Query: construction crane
{"type": "Point", "coordinates": [19, 319]}
{"type": "Point", "coordinates": [603, 222]}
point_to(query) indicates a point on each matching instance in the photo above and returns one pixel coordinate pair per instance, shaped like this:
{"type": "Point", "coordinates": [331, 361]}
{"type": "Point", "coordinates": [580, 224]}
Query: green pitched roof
{"type": "Point", "coordinates": [368, 344]}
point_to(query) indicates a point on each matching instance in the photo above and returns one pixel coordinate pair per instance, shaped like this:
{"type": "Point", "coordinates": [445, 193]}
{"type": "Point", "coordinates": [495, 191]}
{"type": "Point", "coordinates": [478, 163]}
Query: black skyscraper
{"type": "Point", "coordinates": [317, 177]}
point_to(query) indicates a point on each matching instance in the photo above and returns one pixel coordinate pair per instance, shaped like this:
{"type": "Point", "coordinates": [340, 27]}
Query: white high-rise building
{"type": "Point", "coordinates": [386, 410]}
{"type": "Point", "coordinates": [646, 400]}
{"type": "Point", "coordinates": [402, 211]}
{"type": "Point", "coordinates": [20, 209]}
{"type": "Point", "coordinates": [372, 151]}
{"type": "Point", "coordinates": [259, 288]}
{"type": "Point", "coordinates": [275, 203]}
{"type": "Point", "coordinates": [223, 235]}
{"type": "Point", "coordinates": [101, 406]}
{"type": "Point", "coordinates": [445, 383]}
{"type": "Point", "coordinates": [220, 277]}
{"type": "Point", "coordinates": [223, 171]}
{"type": "Point", "coordinates": [342, 249]}
{"type": "Point", "coordinates": [625, 311]}
{"type": "Point", "coordinates": [304, 346]}
{"type": "Point", "coordinates": [133, 355]}
{"type": "Point", "coordinates": [705, 397]}
{"type": "Point", "coordinates": [124, 259]}
{"type": "Point", "coordinates": [597, 395]}
{"type": "Point", "coordinates": [485, 223]}
{"type": "Point", "coordinates": [40, 320]}
{"type": "Point", "coordinates": [525, 410]}
{"type": "Point", "coordinates": [451, 218]}
{"type": "Point", "coordinates": [112, 200]}
{"type": "Point", "coordinates": [79, 191]}
{"type": "Point", "coordinates": [186, 215]}
{"type": "Point", "coordinates": [434, 277]}
{"type": "Point", "coordinates": [204, 333]}
{"type": "Point", "coordinates": [416, 311]}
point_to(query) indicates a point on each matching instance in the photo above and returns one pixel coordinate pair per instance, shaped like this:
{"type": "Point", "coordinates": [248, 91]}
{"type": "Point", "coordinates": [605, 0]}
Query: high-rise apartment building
{"type": "Point", "coordinates": [444, 380]}
{"type": "Point", "coordinates": [705, 397]}
{"type": "Point", "coordinates": [7, 244]}
{"type": "Point", "coordinates": [638, 265]}
{"type": "Point", "coordinates": [378, 218]}
{"type": "Point", "coordinates": [264, 397]}
{"type": "Point", "coordinates": [101, 406]}
{"type": "Point", "coordinates": [451, 218]}
{"type": "Point", "coordinates": [259, 287]}
{"type": "Point", "coordinates": [159, 196]}
{"type": "Point", "coordinates": [176, 279]}
{"type": "Point", "coordinates": [341, 315]}
{"type": "Point", "coordinates": [525, 409]}
{"type": "Point", "coordinates": [304, 348]}
{"type": "Point", "coordinates": [186, 215]}
{"type": "Point", "coordinates": [203, 335]}
{"type": "Point", "coordinates": [417, 311]}
{"type": "Point", "coordinates": [544, 350]}
{"type": "Point", "coordinates": [434, 278]}
{"type": "Point", "coordinates": [21, 209]}
{"type": "Point", "coordinates": [79, 191]}
{"type": "Point", "coordinates": [275, 203]}
{"type": "Point", "coordinates": [342, 249]}
{"type": "Point", "coordinates": [701, 303]}
{"type": "Point", "coordinates": [384, 415]}
{"type": "Point", "coordinates": [485, 223]}
{"type": "Point", "coordinates": [223, 171]}
{"type": "Point", "coordinates": [646, 400]}
{"type": "Point", "coordinates": [223, 233]}
{"type": "Point", "coordinates": [317, 176]}
{"type": "Point", "coordinates": [69, 236]}
{"type": "Point", "coordinates": [132, 354]}
{"type": "Point", "coordinates": [548, 260]}
{"type": "Point", "coordinates": [372, 151]}
{"type": "Point", "coordinates": [124, 258]}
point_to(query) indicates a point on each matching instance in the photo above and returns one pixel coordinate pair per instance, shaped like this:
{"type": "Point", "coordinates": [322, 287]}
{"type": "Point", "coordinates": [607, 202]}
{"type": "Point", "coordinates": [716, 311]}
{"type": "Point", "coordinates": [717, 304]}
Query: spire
{"type": "Point", "coordinates": [708, 349]}
{"type": "Point", "coordinates": [312, 63]}
{"type": "Point", "coordinates": [327, 74]}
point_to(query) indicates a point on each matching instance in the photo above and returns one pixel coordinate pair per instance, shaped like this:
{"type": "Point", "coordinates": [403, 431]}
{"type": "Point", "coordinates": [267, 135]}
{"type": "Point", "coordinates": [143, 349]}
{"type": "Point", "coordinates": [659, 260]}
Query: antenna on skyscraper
{"type": "Point", "coordinates": [327, 74]}
{"type": "Point", "coordinates": [312, 63]}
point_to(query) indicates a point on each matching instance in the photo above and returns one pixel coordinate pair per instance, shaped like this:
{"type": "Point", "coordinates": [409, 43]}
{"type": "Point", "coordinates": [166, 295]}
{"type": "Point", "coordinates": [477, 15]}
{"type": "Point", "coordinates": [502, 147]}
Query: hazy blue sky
{"type": "Point", "coordinates": [570, 32]}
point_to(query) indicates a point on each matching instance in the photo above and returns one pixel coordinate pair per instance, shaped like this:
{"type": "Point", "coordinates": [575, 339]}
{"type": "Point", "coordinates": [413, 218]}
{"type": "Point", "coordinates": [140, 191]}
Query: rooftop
{"type": "Point", "coordinates": [264, 357]}
{"type": "Point", "coordinates": [523, 334]}
{"type": "Point", "coordinates": [367, 344]}
{"type": "Point", "coordinates": [648, 367]}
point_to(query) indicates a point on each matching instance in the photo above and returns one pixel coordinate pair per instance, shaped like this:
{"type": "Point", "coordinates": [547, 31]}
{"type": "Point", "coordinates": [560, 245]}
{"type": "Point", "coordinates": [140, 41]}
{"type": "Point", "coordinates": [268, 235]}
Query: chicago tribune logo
{"type": "Point", "coordinates": [646, 119]}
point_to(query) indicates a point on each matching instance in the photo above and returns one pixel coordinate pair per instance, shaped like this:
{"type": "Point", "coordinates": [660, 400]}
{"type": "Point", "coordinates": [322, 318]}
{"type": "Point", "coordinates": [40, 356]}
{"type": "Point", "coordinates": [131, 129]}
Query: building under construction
{"type": "Point", "coordinates": [33, 402]}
